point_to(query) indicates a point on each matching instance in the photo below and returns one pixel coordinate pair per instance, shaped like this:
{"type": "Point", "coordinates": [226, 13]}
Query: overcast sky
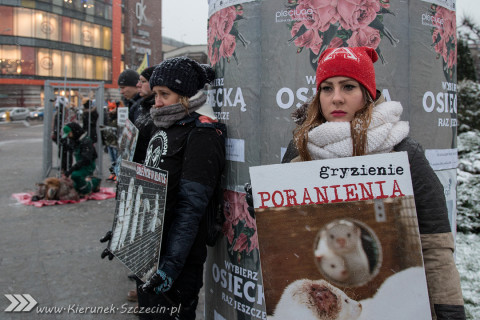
{"type": "Point", "coordinates": [186, 20]}
{"type": "Point", "coordinates": [470, 8]}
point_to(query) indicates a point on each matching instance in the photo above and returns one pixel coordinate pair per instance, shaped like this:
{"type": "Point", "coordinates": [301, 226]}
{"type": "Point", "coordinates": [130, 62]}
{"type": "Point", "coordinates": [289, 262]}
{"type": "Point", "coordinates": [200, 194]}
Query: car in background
{"type": "Point", "coordinates": [3, 113]}
{"type": "Point", "coordinates": [36, 114]}
{"type": "Point", "coordinates": [15, 114]}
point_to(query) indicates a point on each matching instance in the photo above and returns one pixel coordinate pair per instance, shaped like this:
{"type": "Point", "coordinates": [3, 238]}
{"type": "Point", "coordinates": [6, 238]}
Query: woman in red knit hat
{"type": "Point", "coordinates": [349, 117]}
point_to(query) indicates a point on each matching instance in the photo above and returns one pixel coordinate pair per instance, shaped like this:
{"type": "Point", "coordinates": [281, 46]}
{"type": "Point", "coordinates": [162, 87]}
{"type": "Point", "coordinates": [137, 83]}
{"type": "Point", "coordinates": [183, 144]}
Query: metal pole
{"type": "Point", "coordinates": [90, 118]}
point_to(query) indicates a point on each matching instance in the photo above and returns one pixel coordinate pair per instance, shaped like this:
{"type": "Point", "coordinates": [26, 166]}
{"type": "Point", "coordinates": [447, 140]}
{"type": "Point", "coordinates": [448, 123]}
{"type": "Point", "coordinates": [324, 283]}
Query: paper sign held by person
{"type": "Point", "coordinates": [138, 222]}
{"type": "Point", "coordinates": [339, 238]}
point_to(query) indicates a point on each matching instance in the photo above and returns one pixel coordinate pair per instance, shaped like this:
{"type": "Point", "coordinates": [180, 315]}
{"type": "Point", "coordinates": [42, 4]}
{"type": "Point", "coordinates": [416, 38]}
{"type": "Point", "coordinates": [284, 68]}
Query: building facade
{"type": "Point", "coordinates": [72, 40]}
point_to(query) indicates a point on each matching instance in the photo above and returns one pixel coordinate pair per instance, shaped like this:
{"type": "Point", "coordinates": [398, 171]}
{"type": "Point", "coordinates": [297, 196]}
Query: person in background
{"type": "Point", "coordinates": [64, 113]}
{"type": "Point", "coordinates": [89, 119]}
{"type": "Point", "coordinates": [348, 117]}
{"type": "Point", "coordinates": [127, 82]}
{"type": "Point", "coordinates": [60, 117]}
{"type": "Point", "coordinates": [85, 154]}
{"type": "Point", "coordinates": [144, 122]}
{"type": "Point", "coordinates": [110, 137]}
{"type": "Point", "coordinates": [145, 126]}
{"type": "Point", "coordinates": [189, 143]}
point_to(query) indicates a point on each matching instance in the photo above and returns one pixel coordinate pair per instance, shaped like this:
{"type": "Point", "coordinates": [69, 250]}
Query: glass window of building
{"type": "Point", "coordinates": [46, 26]}
{"type": "Point", "coordinates": [79, 68]}
{"type": "Point", "coordinates": [107, 38]}
{"type": "Point", "coordinates": [10, 59]}
{"type": "Point", "coordinates": [23, 22]}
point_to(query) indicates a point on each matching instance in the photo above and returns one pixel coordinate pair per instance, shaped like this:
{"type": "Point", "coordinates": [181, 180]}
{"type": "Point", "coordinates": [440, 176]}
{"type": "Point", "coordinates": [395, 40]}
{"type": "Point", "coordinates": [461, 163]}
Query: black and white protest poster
{"type": "Point", "coordinates": [128, 141]}
{"type": "Point", "coordinates": [109, 136]}
{"type": "Point", "coordinates": [138, 222]}
{"type": "Point", "coordinates": [339, 238]}
{"type": "Point", "coordinates": [122, 116]}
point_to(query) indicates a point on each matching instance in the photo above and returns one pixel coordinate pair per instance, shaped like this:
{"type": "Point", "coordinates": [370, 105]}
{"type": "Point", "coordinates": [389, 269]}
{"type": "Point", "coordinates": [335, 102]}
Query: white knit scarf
{"type": "Point", "coordinates": [333, 139]}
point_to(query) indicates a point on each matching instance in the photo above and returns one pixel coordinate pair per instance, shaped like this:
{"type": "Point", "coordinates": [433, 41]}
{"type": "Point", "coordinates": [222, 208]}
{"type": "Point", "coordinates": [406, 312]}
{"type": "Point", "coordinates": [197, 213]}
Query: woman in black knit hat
{"type": "Point", "coordinates": [189, 143]}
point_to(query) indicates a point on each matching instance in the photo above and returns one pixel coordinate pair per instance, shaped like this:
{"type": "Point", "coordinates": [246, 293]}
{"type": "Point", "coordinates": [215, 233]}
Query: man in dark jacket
{"type": "Point", "coordinates": [144, 122]}
{"type": "Point", "coordinates": [127, 82]}
{"type": "Point", "coordinates": [89, 119]}
{"type": "Point", "coordinates": [85, 154]}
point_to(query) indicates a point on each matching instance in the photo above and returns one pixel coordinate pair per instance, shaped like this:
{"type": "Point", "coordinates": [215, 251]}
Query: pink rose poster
{"type": "Point", "coordinates": [339, 239]}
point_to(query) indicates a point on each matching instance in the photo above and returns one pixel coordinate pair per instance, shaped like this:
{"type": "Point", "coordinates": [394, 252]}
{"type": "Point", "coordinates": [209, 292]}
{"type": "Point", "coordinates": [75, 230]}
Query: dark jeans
{"type": "Point", "coordinates": [180, 302]}
{"type": "Point", "coordinates": [67, 158]}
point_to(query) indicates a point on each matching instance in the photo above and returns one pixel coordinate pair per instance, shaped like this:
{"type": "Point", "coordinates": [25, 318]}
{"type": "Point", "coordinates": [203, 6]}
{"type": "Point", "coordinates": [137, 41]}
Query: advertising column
{"type": "Point", "coordinates": [233, 285]}
{"type": "Point", "coordinates": [265, 56]}
{"type": "Point", "coordinates": [433, 89]}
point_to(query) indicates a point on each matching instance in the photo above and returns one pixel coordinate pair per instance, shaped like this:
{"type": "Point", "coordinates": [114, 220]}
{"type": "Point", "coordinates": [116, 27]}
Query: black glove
{"type": "Point", "coordinates": [68, 173]}
{"type": "Point", "coordinates": [159, 283]}
{"type": "Point", "coordinates": [106, 252]}
{"type": "Point", "coordinates": [249, 199]}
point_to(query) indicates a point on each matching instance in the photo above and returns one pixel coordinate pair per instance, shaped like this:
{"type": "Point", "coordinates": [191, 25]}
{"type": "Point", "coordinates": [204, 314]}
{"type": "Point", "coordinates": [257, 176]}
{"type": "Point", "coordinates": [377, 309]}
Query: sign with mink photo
{"type": "Point", "coordinates": [138, 222]}
{"type": "Point", "coordinates": [339, 239]}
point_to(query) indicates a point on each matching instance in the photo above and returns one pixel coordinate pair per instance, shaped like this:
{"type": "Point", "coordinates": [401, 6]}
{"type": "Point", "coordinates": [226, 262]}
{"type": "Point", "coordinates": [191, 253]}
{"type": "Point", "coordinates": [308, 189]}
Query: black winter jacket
{"type": "Point", "coordinates": [82, 146]}
{"type": "Point", "coordinates": [145, 126]}
{"type": "Point", "coordinates": [193, 152]}
{"type": "Point", "coordinates": [133, 107]}
{"type": "Point", "coordinates": [89, 120]}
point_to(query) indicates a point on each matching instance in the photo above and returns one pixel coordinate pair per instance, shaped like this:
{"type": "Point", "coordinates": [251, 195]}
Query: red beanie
{"type": "Point", "coordinates": [356, 63]}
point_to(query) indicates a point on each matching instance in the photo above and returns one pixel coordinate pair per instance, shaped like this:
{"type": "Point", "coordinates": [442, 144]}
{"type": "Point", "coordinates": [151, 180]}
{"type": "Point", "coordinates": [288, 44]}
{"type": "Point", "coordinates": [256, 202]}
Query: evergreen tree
{"type": "Point", "coordinates": [465, 63]}
{"type": "Point", "coordinates": [467, 33]}
{"type": "Point", "coordinates": [468, 106]}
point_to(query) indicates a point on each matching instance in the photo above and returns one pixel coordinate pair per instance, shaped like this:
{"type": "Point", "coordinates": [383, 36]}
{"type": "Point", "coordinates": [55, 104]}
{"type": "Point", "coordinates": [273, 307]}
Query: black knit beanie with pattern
{"type": "Point", "coordinates": [182, 75]}
{"type": "Point", "coordinates": [128, 78]}
{"type": "Point", "coordinates": [147, 72]}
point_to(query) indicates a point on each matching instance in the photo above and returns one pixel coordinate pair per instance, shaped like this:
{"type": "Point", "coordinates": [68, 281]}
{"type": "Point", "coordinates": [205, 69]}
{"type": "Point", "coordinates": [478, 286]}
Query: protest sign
{"type": "Point", "coordinates": [138, 222]}
{"type": "Point", "coordinates": [109, 136]}
{"type": "Point", "coordinates": [128, 141]}
{"type": "Point", "coordinates": [340, 237]}
{"type": "Point", "coordinates": [122, 116]}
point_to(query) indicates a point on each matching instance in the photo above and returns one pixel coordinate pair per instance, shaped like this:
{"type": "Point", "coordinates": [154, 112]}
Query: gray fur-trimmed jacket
{"type": "Point", "coordinates": [443, 280]}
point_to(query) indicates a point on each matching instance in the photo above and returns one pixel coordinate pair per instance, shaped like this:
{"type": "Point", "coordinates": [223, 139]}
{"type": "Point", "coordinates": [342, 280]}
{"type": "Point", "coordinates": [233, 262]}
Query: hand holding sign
{"type": "Point", "coordinates": [159, 283]}
{"type": "Point", "coordinates": [106, 252]}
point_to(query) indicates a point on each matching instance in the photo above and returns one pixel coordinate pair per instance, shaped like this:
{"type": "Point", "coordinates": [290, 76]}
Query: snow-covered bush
{"type": "Point", "coordinates": [468, 182]}
{"type": "Point", "coordinates": [468, 101]}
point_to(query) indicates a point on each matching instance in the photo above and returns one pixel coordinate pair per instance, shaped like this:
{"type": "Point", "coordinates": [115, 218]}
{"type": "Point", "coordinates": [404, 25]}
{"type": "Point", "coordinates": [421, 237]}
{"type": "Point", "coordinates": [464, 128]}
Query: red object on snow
{"type": "Point", "coordinates": [26, 198]}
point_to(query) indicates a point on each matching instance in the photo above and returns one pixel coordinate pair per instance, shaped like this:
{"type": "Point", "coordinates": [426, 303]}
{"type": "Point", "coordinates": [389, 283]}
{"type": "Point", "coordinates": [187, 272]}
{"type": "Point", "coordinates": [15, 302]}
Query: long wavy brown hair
{"type": "Point", "coordinates": [185, 102]}
{"type": "Point", "coordinates": [314, 118]}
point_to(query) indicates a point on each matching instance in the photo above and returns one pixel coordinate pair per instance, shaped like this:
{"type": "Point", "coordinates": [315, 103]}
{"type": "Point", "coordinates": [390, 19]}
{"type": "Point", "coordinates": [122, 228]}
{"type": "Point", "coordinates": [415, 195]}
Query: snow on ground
{"type": "Point", "coordinates": [468, 220]}
{"type": "Point", "coordinates": [468, 264]}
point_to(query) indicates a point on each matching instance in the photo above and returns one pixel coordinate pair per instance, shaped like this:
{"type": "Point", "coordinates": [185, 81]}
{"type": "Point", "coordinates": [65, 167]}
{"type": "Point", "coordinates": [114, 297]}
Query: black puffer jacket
{"type": "Point", "coordinates": [89, 118]}
{"type": "Point", "coordinates": [193, 152]}
{"type": "Point", "coordinates": [133, 107]}
{"type": "Point", "coordinates": [437, 241]}
{"type": "Point", "coordinates": [82, 146]}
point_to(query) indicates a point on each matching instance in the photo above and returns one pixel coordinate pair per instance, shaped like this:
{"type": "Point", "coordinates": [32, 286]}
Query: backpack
{"type": "Point", "coordinates": [215, 217]}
